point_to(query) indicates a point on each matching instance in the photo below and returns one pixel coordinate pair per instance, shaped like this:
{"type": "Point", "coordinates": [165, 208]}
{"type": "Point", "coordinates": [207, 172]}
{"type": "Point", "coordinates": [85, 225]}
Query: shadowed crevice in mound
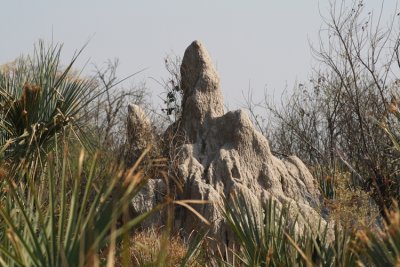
{"type": "Point", "coordinates": [222, 154]}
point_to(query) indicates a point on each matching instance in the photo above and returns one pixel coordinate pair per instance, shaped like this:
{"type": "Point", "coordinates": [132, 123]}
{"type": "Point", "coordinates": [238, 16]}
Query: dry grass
{"type": "Point", "coordinates": [352, 207]}
{"type": "Point", "coordinates": [147, 247]}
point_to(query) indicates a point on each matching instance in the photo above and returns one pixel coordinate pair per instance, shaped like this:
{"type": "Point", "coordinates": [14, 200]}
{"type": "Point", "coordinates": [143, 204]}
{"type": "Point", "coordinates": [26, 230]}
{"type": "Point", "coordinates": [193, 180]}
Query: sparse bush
{"type": "Point", "coordinates": [173, 92]}
{"type": "Point", "coordinates": [332, 121]}
{"type": "Point", "coordinates": [107, 114]}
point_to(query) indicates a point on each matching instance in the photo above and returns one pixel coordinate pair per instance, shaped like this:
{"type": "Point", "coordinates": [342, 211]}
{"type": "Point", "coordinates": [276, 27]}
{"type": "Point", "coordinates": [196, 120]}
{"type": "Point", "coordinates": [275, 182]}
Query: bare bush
{"type": "Point", "coordinates": [108, 114]}
{"type": "Point", "coordinates": [333, 121]}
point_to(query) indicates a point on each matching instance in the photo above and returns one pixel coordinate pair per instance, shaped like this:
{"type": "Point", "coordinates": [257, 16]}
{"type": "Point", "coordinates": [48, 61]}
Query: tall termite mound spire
{"type": "Point", "coordinates": [202, 97]}
{"type": "Point", "coordinates": [224, 154]}
{"type": "Point", "coordinates": [221, 154]}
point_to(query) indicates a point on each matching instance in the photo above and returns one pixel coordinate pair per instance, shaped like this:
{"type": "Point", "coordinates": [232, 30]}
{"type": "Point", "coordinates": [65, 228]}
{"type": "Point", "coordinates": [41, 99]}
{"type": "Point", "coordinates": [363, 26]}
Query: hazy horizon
{"type": "Point", "coordinates": [258, 45]}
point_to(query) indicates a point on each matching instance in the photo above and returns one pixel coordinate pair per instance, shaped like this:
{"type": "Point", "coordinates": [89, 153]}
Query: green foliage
{"type": "Point", "coordinates": [40, 100]}
{"type": "Point", "coordinates": [70, 218]}
{"type": "Point", "coordinates": [260, 231]}
{"type": "Point", "coordinates": [173, 92]}
{"type": "Point", "coordinates": [326, 180]}
{"type": "Point", "coordinates": [267, 236]}
{"type": "Point", "coordinates": [57, 207]}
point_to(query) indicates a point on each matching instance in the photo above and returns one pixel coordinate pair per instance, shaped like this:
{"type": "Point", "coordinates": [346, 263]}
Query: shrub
{"type": "Point", "coordinates": [40, 101]}
{"type": "Point", "coordinates": [330, 122]}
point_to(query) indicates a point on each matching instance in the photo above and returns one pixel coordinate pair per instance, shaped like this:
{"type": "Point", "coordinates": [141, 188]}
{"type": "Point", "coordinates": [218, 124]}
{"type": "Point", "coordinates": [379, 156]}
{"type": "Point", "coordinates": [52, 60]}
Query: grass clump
{"type": "Point", "coordinates": [147, 246]}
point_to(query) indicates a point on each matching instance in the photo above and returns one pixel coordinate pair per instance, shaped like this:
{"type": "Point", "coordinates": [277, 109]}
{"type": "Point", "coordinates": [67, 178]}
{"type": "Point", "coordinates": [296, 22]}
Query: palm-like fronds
{"type": "Point", "coordinates": [68, 220]}
{"type": "Point", "coordinates": [40, 100]}
{"type": "Point", "coordinates": [267, 236]}
{"type": "Point", "coordinates": [261, 230]}
{"type": "Point", "coordinates": [316, 249]}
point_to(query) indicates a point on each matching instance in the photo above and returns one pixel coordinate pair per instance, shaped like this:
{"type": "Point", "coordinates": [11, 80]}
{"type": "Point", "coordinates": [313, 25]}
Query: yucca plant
{"type": "Point", "coordinates": [318, 249]}
{"type": "Point", "coordinates": [40, 99]}
{"type": "Point", "coordinates": [75, 219]}
{"type": "Point", "coordinates": [267, 236]}
{"type": "Point", "coordinates": [260, 230]}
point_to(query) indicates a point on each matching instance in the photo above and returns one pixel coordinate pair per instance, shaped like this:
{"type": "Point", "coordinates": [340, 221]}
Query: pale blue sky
{"type": "Point", "coordinates": [262, 43]}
